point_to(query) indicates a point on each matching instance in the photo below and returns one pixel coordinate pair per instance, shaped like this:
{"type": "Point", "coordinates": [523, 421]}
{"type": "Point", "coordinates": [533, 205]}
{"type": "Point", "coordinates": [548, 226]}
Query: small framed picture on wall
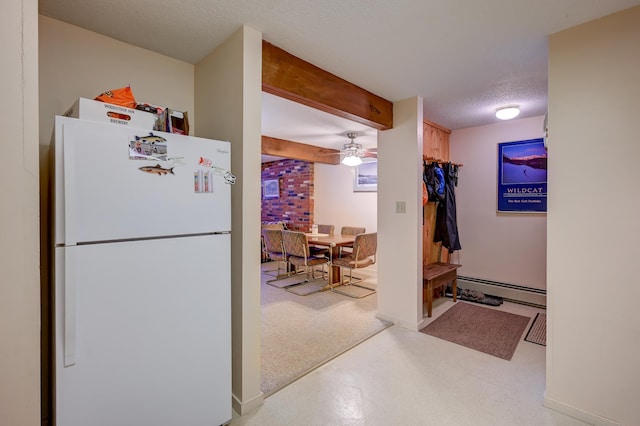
{"type": "Point", "coordinates": [365, 177]}
{"type": "Point", "coordinates": [271, 188]}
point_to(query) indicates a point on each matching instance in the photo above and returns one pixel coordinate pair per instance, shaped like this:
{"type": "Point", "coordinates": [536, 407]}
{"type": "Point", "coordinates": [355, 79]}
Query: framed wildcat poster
{"type": "Point", "coordinates": [522, 177]}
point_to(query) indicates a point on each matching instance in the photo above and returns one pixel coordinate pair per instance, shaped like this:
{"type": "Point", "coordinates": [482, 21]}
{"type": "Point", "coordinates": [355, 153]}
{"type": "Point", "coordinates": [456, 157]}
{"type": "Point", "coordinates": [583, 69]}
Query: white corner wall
{"type": "Point", "coordinates": [501, 247]}
{"type": "Point", "coordinates": [228, 104]}
{"type": "Point", "coordinates": [336, 204]}
{"type": "Point", "coordinates": [593, 328]}
{"type": "Point", "coordinates": [19, 227]}
{"type": "Point", "coordinates": [399, 234]}
{"type": "Point", "coordinates": [75, 63]}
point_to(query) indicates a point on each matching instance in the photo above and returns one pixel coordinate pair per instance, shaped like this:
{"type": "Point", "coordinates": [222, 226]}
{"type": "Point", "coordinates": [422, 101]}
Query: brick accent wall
{"type": "Point", "coordinates": [294, 206]}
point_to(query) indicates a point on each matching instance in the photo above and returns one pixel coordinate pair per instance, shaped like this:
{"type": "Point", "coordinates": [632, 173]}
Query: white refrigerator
{"type": "Point", "coordinates": [142, 277]}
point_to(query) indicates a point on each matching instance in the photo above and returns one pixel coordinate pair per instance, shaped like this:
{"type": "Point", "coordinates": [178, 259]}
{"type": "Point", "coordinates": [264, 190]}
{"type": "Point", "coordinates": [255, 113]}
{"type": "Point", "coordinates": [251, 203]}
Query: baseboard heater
{"type": "Point", "coordinates": [510, 292]}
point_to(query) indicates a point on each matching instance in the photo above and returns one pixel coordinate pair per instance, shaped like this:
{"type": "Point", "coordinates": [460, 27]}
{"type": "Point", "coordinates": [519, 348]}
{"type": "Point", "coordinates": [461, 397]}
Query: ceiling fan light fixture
{"type": "Point", "coordinates": [352, 160]}
{"type": "Point", "coordinates": [353, 151]}
{"type": "Point", "coordinates": [508, 112]}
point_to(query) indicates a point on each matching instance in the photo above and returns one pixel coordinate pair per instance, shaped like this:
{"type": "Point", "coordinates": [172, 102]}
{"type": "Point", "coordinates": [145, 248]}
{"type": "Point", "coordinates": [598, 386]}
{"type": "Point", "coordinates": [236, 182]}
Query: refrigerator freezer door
{"type": "Point", "coordinates": [105, 192]}
{"type": "Point", "coordinates": [152, 333]}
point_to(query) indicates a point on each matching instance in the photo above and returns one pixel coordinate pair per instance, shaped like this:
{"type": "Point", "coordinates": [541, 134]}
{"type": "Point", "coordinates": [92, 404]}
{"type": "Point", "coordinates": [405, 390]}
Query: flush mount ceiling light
{"type": "Point", "coordinates": [507, 113]}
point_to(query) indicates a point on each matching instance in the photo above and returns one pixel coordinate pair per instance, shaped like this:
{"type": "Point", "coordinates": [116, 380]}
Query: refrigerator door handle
{"type": "Point", "coordinates": [69, 307]}
{"type": "Point", "coordinates": [69, 192]}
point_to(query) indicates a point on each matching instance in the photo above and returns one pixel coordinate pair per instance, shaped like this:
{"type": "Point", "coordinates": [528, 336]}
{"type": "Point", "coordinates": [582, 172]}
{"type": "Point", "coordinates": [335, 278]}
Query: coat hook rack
{"type": "Point", "coordinates": [439, 161]}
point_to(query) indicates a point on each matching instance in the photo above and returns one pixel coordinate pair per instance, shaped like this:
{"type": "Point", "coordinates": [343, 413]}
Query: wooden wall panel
{"type": "Point", "coordinates": [436, 142]}
{"type": "Point", "coordinates": [430, 250]}
{"type": "Point", "coordinates": [435, 145]}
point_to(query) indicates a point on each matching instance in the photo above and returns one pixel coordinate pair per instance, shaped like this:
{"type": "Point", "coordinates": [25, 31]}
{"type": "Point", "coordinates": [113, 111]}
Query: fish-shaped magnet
{"type": "Point", "coordinates": [157, 170]}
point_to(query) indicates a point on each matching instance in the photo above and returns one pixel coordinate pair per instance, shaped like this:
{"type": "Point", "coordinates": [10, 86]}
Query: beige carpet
{"type": "Point", "coordinates": [486, 330]}
{"type": "Point", "coordinates": [300, 333]}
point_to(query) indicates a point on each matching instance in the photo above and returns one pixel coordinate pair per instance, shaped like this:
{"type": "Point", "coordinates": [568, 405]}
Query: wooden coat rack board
{"type": "Point", "coordinates": [439, 161]}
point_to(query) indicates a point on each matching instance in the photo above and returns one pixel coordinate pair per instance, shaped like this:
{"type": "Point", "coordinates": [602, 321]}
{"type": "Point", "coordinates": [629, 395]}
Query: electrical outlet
{"type": "Point", "coordinates": [401, 207]}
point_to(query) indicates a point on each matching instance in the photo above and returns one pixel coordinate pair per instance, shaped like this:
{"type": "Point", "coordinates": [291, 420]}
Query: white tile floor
{"type": "Point", "coordinates": [403, 377]}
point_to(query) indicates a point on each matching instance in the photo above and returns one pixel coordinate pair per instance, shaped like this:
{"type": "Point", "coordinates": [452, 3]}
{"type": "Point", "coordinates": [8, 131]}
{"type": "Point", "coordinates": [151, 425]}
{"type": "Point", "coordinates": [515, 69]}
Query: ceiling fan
{"type": "Point", "coordinates": [354, 153]}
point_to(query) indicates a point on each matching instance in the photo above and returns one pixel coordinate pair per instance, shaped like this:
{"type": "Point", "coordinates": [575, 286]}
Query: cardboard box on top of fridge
{"type": "Point", "coordinates": [88, 109]}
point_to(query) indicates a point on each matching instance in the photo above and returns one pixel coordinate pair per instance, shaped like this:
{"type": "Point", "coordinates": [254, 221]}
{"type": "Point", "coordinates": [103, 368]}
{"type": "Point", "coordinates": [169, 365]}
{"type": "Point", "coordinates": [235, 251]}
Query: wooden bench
{"type": "Point", "coordinates": [435, 275]}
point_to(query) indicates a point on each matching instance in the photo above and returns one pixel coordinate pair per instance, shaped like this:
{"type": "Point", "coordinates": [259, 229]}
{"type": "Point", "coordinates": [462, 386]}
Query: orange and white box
{"type": "Point", "coordinates": [87, 109]}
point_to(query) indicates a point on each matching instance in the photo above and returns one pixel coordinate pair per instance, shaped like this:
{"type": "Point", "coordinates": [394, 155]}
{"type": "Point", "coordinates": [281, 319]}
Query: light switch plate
{"type": "Point", "coordinates": [401, 207]}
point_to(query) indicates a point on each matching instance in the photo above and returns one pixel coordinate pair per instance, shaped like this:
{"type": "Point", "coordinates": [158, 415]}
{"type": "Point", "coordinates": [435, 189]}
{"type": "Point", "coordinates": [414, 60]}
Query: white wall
{"type": "Point", "coordinates": [399, 234]}
{"type": "Point", "coordinates": [500, 247]}
{"type": "Point", "coordinates": [228, 104]}
{"type": "Point", "coordinates": [336, 204]}
{"type": "Point", "coordinates": [78, 63]}
{"type": "Point", "coordinates": [593, 343]}
{"type": "Point", "coordinates": [19, 228]}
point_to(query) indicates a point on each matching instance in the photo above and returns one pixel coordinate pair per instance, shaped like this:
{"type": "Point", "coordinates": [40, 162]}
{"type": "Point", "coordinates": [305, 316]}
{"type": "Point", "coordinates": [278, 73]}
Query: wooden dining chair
{"type": "Point", "coordinates": [296, 248]}
{"type": "Point", "coordinates": [326, 229]}
{"type": "Point", "coordinates": [352, 230]}
{"type": "Point", "coordinates": [273, 247]}
{"type": "Point", "coordinates": [363, 255]}
{"type": "Point", "coordinates": [348, 249]}
{"type": "Point", "coordinates": [269, 225]}
{"type": "Point", "coordinates": [322, 251]}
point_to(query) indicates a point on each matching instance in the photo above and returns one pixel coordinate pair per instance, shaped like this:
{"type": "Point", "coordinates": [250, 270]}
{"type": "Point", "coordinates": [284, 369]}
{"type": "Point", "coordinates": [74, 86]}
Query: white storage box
{"type": "Point", "coordinates": [87, 109]}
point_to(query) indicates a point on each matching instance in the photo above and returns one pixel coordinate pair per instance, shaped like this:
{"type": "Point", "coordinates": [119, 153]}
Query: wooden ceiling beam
{"type": "Point", "coordinates": [299, 151]}
{"type": "Point", "coordinates": [292, 78]}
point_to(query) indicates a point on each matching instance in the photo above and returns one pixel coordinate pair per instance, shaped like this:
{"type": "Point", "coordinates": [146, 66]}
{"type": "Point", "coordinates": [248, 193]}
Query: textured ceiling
{"type": "Point", "coordinates": [464, 58]}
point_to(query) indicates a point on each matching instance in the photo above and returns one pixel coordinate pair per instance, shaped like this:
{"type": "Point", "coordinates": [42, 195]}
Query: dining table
{"type": "Point", "coordinates": [333, 242]}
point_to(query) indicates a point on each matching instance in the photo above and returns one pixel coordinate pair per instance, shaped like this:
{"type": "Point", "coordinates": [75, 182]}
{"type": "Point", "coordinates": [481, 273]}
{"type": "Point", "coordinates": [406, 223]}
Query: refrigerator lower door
{"type": "Point", "coordinates": [148, 338]}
